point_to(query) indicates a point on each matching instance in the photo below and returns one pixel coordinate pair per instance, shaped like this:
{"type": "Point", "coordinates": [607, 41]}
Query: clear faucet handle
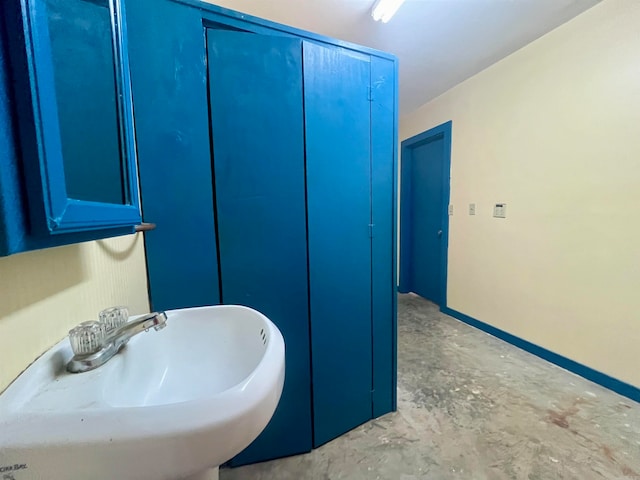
{"type": "Point", "coordinates": [87, 338]}
{"type": "Point", "coordinates": [113, 318]}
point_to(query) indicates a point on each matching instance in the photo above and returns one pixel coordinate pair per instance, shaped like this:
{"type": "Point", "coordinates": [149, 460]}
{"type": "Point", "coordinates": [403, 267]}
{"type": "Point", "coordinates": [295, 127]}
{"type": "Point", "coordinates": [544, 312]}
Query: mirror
{"type": "Point", "coordinates": [85, 72]}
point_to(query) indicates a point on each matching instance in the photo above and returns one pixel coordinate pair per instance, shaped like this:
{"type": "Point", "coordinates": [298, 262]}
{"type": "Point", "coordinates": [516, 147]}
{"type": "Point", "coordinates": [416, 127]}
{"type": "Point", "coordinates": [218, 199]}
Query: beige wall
{"type": "Point", "coordinates": [554, 131]}
{"type": "Point", "coordinates": [301, 14]}
{"type": "Point", "coordinates": [45, 293]}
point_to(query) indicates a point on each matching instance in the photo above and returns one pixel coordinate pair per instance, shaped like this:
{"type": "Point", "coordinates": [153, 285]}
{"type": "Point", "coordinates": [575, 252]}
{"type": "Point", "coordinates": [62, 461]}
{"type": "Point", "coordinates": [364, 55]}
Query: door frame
{"type": "Point", "coordinates": [407, 146]}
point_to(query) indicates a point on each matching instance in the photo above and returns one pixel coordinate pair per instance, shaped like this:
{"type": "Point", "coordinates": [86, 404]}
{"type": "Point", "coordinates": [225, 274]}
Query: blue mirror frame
{"type": "Point", "coordinates": [50, 208]}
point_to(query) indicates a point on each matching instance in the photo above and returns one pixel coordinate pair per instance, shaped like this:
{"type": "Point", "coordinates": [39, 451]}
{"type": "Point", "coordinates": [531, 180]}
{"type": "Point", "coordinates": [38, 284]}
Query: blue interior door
{"type": "Point", "coordinates": [425, 178]}
{"type": "Point", "coordinates": [337, 115]}
{"type": "Point", "coordinates": [259, 180]}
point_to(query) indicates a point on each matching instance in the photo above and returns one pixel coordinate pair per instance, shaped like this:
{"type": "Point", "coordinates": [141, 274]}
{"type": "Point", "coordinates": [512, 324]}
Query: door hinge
{"type": "Point", "coordinates": [54, 222]}
{"type": "Point", "coordinates": [370, 93]}
{"type": "Point", "coordinates": [371, 225]}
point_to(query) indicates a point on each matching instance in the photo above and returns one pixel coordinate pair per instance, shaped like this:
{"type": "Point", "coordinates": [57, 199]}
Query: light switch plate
{"type": "Point", "coordinates": [500, 210]}
{"type": "Point", "coordinates": [472, 209]}
{"type": "Point", "coordinates": [450, 209]}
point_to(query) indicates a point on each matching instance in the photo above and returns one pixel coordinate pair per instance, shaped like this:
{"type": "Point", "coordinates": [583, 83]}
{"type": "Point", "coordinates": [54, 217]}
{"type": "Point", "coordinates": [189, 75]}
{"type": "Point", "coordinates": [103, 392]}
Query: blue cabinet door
{"type": "Point", "coordinates": [68, 165]}
{"type": "Point", "coordinates": [75, 115]}
{"type": "Point", "coordinates": [337, 122]}
{"type": "Point", "coordinates": [255, 85]}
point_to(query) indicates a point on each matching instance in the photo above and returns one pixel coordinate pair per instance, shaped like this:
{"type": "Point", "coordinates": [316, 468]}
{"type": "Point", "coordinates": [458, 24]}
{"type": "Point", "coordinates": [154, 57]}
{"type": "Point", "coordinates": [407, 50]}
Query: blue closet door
{"type": "Point", "coordinates": [383, 244]}
{"type": "Point", "coordinates": [259, 181]}
{"type": "Point", "coordinates": [337, 116]}
{"type": "Point", "coordinates": [174, 156]}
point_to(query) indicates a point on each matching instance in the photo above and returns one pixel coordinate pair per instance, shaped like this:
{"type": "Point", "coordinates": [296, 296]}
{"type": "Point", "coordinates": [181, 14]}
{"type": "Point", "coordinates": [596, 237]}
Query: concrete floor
{"type": "Point", "coordinates": [473, 407]}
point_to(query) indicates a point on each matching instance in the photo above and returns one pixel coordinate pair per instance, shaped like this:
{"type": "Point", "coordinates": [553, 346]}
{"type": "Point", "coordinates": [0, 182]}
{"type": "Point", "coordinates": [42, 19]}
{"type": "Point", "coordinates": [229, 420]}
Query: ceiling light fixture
{"type": "Point", "coordinates": [385, 9]}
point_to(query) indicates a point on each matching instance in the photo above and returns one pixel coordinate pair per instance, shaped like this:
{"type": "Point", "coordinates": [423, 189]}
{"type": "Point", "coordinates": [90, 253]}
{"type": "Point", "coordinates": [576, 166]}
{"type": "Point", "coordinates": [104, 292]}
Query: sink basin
{"type": "Point", "coordinates": [170, 405]}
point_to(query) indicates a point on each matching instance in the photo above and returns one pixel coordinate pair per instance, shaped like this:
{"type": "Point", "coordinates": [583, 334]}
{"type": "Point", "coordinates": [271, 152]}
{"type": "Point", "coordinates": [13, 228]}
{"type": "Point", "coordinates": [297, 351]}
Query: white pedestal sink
{"type": "Point", "coordinates": [173, 404]}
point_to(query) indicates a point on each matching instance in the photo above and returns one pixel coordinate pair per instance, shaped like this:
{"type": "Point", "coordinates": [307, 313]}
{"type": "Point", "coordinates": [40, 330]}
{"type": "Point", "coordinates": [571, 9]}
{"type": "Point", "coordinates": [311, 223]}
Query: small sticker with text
{"type": "Point", "coordinates": [7, 470]}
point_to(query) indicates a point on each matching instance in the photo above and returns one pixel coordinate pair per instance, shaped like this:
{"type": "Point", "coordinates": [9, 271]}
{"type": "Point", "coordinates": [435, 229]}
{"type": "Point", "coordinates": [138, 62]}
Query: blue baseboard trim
{"type": "Point", "coordinates": [600, 378]}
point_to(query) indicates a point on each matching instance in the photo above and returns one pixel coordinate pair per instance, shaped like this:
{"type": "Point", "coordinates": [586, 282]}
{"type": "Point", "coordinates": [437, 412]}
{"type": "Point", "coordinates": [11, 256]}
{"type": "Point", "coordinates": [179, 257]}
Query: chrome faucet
{"type": "Point", "coordinates": [95, 343]}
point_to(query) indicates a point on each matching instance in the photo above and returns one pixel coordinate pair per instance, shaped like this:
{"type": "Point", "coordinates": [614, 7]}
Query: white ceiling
{"type": "Point", "coordinates": [439, 43]}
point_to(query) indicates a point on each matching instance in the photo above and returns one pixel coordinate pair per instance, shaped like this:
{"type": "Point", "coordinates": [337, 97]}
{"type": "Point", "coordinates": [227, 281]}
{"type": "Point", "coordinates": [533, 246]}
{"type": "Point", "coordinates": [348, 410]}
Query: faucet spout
{"type": "Point", "coordinates": [155, 320]}
{"type": "Point", "coordinates": [115, 340]}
